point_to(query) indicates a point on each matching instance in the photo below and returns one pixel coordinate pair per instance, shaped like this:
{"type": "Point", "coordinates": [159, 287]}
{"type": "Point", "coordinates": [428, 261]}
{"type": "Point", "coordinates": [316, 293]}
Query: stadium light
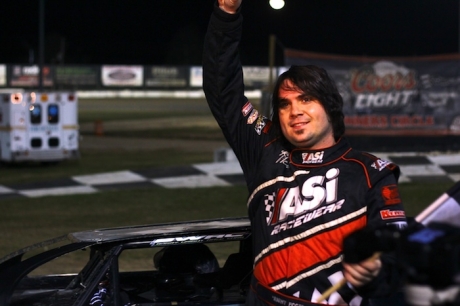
{"type": "Point", "coordinates": [277, 4]}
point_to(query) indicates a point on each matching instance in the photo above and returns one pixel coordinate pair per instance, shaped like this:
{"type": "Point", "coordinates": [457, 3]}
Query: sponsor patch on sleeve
{"type": "Point", "coordinates": [380, 164]}
{"type": "Point", "coordinates": [390, 194]}
{"type": "Point", "coordinates": [267, 126]}
{"type": "Point", "coordinates": [246, 109]}
{"type": "Point", "coordinates": [392, 214]}
{"type": "Point", "coordinates": [253, 116]}
{"type": "Point", "coordinates": [260, 124]}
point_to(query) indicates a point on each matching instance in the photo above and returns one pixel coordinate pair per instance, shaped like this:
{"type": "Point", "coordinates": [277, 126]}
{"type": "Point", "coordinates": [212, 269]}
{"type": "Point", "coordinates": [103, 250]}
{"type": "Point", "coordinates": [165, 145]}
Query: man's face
{"type": "Point", "coordinates": [303, 120]}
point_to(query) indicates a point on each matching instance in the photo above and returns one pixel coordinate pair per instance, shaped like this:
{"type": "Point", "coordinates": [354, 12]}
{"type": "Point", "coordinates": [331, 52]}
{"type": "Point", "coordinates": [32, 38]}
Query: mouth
{"type": "Point", "coordinates": [298, 125]}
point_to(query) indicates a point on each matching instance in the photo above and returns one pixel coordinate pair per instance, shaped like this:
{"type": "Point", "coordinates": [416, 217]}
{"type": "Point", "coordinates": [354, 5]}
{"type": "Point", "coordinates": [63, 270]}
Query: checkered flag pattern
{"type": "Point", "coordinates": [415, 167]}
{"type": "Point", "coordinates": [269, 206]}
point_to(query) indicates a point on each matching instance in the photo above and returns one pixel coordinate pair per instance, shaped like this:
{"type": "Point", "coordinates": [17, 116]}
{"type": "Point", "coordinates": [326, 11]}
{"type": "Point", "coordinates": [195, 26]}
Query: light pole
{"type": "Point", "coordinates": [41, 42]}
{"type": "Point", "coordinates": [271, 60]}
{"type": "Point", "coordinates": [266, 94]}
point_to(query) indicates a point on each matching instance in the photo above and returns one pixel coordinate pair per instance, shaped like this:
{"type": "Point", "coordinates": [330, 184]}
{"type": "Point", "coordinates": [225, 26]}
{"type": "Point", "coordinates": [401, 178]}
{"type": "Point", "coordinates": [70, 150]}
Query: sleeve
{"type": "Point", "coordinates": [385, 209]}
{"type": "Point", "coordinates": [223, 86]}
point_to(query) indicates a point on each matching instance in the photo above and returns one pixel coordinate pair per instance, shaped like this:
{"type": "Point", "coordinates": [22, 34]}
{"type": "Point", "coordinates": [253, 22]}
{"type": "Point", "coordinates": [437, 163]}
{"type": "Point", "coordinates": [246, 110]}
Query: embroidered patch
{"type": "Point", "coordinates": [253, 116]}
{"type": "Point", "coordinates": [283, 158]}
{"type": "Point", "coordinates": [267, 126]}
{"type": "Point", "coordinates": [269, 201]}
{"type": "Point", "coordinates": [380, 164]}
{"type": "Point", "coordinates": [390, 194]}
{"type": "Point", "coordinates": [260, 124]}
{"type": "Point", "coordinates": [392, 214]}
{"type": "Point", "coordinates": [247, 108]}
{"type": "Point", "coordinates": [313, 158]}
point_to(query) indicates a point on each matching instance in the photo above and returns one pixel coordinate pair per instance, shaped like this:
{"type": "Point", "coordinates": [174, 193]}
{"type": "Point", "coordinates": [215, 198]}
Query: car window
{"type": "Point", "coordinates": [180, 272]}
{"type": "Point", "coordinates": [142, 259]}
{"type": "Point", "coordinates": [71, 262]}
{"type": "Point", "coordinates": [60, 274]}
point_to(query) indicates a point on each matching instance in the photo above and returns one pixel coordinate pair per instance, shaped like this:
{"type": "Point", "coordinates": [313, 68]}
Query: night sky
{"type": "Point", "coordinates": [171, 32]}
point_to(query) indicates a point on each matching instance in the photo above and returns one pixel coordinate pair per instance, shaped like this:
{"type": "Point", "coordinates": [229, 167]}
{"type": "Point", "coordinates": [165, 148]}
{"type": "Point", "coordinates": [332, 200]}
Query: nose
{"type": "Point", "coordinates": [295, 109]}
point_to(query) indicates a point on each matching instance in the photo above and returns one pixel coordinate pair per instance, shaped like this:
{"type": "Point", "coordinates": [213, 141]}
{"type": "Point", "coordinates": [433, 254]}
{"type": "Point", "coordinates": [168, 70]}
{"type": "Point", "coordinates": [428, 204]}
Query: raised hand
{"type": "Point", "coordinates": [229, 6]}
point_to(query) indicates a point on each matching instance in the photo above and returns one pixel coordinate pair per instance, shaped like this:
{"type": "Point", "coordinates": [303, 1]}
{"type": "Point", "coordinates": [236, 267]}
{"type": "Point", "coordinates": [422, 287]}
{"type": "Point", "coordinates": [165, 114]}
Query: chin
{"type": "Point", "coordinates": [303, 144]}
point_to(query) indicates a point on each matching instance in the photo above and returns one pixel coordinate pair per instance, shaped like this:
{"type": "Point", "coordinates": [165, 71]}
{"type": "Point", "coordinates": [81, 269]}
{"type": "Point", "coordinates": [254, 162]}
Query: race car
{"type": "Point", "coordinates": [202, 262]}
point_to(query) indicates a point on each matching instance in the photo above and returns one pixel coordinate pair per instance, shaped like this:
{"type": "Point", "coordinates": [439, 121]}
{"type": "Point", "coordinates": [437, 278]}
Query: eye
{"type": "Point", "coordinates": [306, 99]}
{"type": "Point", "coordinates": [283, 104]}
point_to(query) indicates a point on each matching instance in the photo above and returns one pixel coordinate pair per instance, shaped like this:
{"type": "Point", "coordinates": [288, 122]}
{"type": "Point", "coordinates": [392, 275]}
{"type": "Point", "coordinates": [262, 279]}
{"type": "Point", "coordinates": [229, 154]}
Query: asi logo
{"type": "Point", "coordinates": [313, 158]}
{"type": "Point", "coordinates": [294, 206]}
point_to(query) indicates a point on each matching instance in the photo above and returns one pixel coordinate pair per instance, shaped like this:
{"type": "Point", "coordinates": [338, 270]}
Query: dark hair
{"type": "Point", "coordinates": [315, 82]}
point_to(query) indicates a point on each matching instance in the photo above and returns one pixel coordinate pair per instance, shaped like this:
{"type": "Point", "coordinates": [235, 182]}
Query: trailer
{"type": "Point", "coordinates": [38, 126]}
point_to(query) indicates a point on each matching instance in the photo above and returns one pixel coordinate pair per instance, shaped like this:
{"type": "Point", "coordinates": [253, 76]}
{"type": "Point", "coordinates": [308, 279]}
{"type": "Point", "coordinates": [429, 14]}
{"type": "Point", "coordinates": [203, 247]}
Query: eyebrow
{"type": "Point", "coordinates": [304, 95]}
{"type": "Point", "coordinates": [298, 97]}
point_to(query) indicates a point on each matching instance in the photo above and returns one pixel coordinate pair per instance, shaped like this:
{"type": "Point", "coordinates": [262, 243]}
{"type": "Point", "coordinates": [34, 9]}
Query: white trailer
{"type": "Point", "coordinates": [38, 126]}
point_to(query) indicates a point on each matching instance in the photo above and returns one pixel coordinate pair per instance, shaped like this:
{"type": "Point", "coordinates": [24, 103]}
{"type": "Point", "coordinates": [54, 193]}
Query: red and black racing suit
{"type": "Point", "coordinates": [302, 203]}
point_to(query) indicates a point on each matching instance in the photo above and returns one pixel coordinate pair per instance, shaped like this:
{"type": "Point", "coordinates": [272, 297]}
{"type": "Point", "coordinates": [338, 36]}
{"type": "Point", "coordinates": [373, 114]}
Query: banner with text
{"type": "Point", "coordinates": [393, 96]}
{"type": "Point", "coordinates": [122, 76]}
{"type": "Point", "coordinates": [2, 75]}
{"type": "Point", "coordinates": [255, 77]}
{"type": "Point", "coordinates": [28, 76]}
{"type": "Point", "coordinates": [166, 76]}
{"type": "Point", "coordinates": [77, 76]}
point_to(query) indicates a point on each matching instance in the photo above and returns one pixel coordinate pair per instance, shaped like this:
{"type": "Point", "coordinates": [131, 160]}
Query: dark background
{"type": "Point", "coordinates": [170, 32]}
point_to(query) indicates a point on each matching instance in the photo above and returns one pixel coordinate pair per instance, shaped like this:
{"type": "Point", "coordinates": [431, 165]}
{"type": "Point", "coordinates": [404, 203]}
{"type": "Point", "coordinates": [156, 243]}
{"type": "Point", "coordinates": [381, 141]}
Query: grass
{"type": "Point", "coordinates": [108, 159]}
{"type": "Point", "coordinates": [196, 133]}
{"type": "Point", "coordinates": [26, 221]}
{"type": "Point", "coordinates": [96, 162]}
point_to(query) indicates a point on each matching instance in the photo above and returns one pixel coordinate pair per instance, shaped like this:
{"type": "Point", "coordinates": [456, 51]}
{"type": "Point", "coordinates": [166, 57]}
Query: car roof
{"type": "Point", "coordinates": [213, 226]}
{"type": "Point", "coordinates": [161, 233]}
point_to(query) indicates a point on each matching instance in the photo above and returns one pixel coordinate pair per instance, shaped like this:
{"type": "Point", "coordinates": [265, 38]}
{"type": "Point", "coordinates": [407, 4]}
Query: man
{"type": "Point", "coordinates": [308, 189]}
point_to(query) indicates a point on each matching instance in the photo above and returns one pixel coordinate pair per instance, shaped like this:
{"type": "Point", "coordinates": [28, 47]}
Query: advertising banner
{"type": "Point", "coordinates": [2, 75]}
{"type": "Point", "coordinates": [122, 76]}
{"type": "Point", "coordinates": [256, 77]}
{"type": "Point", "coordinates": [393, 96]}
{"type": "Point", "coordinates": [28, 76]}
{"type": "Point", "coordinates": [77, 76]}
{"type": "Point", "coordinates": [166, 76]}
{"type": "Point", "coordinates": [196, 76]}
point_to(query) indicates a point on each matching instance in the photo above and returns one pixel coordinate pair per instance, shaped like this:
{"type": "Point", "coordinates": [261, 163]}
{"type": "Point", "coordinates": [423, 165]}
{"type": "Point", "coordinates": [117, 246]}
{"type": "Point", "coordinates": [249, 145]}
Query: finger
{"type": "Point", "coordinates": [364, 267]}
{"type": "Point", "coordinates": [356, 274]}
{"type": "Point", "coordinates": [362, 273]}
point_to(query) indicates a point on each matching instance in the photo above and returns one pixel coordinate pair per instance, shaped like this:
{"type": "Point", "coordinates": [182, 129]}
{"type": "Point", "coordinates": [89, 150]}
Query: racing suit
{"type": "Point", "coordinates": [302, 203]}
